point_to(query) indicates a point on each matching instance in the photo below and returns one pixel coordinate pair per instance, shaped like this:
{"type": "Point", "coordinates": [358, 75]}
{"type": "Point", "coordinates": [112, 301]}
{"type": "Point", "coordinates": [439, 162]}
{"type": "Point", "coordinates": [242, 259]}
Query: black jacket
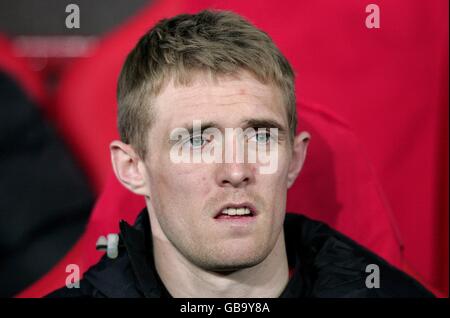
{"type": "Point", "coordinates": [327, 264]}
{"type": "Point", "coordinates": [44, 196]}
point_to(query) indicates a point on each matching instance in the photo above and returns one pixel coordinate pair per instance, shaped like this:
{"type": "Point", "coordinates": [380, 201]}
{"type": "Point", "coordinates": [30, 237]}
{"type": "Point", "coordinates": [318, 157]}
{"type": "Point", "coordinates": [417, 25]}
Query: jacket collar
{"type": "Point", "coordinates": [137, 241]}
{"type": "Point", "coordinates": [320, 261]}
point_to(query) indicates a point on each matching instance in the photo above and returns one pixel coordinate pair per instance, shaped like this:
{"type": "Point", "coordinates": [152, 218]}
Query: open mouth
{"type": "Point", "coordinates": [240, 211]}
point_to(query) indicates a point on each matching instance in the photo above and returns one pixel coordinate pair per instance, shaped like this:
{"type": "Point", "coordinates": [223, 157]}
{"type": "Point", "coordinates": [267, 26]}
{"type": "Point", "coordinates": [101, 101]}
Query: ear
{"type": "Point", "coordinates": [128, 167]}
{"type": "Point", "coordinates": [300, 147]}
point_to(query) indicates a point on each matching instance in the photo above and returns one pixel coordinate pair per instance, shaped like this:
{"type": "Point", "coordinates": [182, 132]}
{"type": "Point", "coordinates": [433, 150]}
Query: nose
{"type": "Point", "coordinates": [236, 175]}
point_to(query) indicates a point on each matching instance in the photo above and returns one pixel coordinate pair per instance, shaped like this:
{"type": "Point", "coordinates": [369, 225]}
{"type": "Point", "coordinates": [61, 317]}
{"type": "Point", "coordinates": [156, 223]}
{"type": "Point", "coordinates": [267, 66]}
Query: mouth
{"type": "Point", "coordinates": [243, 211]}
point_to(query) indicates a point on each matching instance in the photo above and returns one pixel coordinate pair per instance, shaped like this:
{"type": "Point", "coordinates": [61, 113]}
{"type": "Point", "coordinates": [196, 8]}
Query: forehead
{"type": "Point", "coordinates": [226, 100]}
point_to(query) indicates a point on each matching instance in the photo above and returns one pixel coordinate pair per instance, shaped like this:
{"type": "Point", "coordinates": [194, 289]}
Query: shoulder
{"type": "Point", "coordinates": [82, 290]}
{"type": "Point", "coordinates": [340, 267]}
{"type": "Point", "coordinates": [109, 278]}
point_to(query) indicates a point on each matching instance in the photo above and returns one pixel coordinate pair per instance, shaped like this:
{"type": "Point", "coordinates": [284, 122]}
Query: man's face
{"type": "Point", "coordinates": [188, 199]}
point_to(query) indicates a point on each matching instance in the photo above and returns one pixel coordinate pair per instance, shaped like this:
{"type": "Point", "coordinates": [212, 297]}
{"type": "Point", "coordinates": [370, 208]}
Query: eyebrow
{"type": "Point", "coordinates": [247, 123]}
{"type": "Point", "coordinates": [204, 125]}
{"type": "Point", "coordinates": [264, 123]}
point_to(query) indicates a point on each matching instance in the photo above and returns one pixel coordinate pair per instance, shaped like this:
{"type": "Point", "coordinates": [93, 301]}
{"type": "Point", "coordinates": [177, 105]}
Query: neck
{"type": "Point", "coordinates": [184, 279]}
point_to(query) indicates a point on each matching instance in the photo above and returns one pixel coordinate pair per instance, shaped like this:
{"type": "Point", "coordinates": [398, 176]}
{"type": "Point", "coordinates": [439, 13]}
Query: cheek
{"type": "Point", "coordinates": [274, 189]}
{"type": "Point", "coordinates": [179, 185]}
{"type": "Point", "coordinates": [278, 179]}
{"type": "Point", "coordinates": [274, 186]}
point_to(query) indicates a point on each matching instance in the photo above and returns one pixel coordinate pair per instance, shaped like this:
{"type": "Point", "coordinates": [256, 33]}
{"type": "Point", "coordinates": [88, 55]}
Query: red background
{"type": "Point", "coordinates": [387, 86]}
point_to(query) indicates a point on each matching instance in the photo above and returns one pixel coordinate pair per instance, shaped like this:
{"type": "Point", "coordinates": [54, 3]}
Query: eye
{"type": "Point", "coordinates": [262, 136]}
{"type": "Point", "coordinates": [196, 141]}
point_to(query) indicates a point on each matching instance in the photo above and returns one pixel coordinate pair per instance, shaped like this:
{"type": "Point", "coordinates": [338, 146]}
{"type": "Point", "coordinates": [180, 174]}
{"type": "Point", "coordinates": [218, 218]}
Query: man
{"type": "Point", "coordinates": [207, 118]}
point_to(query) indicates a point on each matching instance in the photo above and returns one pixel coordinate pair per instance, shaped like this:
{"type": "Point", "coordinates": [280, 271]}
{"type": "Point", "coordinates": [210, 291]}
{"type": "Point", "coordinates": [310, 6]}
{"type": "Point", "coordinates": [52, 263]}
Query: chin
{"type": "Point", "coordinates": [234, 260]}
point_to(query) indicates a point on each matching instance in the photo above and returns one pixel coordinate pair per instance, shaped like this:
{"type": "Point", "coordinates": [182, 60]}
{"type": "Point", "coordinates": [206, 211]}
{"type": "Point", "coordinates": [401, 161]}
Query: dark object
{"type": "Point", "coordinates": [327, 264]}
{"type": "Point", "coordinates": [45, 199]}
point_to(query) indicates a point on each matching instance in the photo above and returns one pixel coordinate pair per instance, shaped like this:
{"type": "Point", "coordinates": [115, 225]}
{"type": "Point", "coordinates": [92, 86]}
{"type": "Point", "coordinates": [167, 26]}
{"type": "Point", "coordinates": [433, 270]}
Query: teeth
{"type": "Point", "coordinates": [230, 211]}
{"type": "Point", "coordinates": [240, 211]}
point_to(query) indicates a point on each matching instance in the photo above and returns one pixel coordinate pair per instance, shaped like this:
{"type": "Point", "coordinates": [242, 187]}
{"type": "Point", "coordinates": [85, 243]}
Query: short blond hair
{"type": "Point", "coordinates": [218, 42]}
